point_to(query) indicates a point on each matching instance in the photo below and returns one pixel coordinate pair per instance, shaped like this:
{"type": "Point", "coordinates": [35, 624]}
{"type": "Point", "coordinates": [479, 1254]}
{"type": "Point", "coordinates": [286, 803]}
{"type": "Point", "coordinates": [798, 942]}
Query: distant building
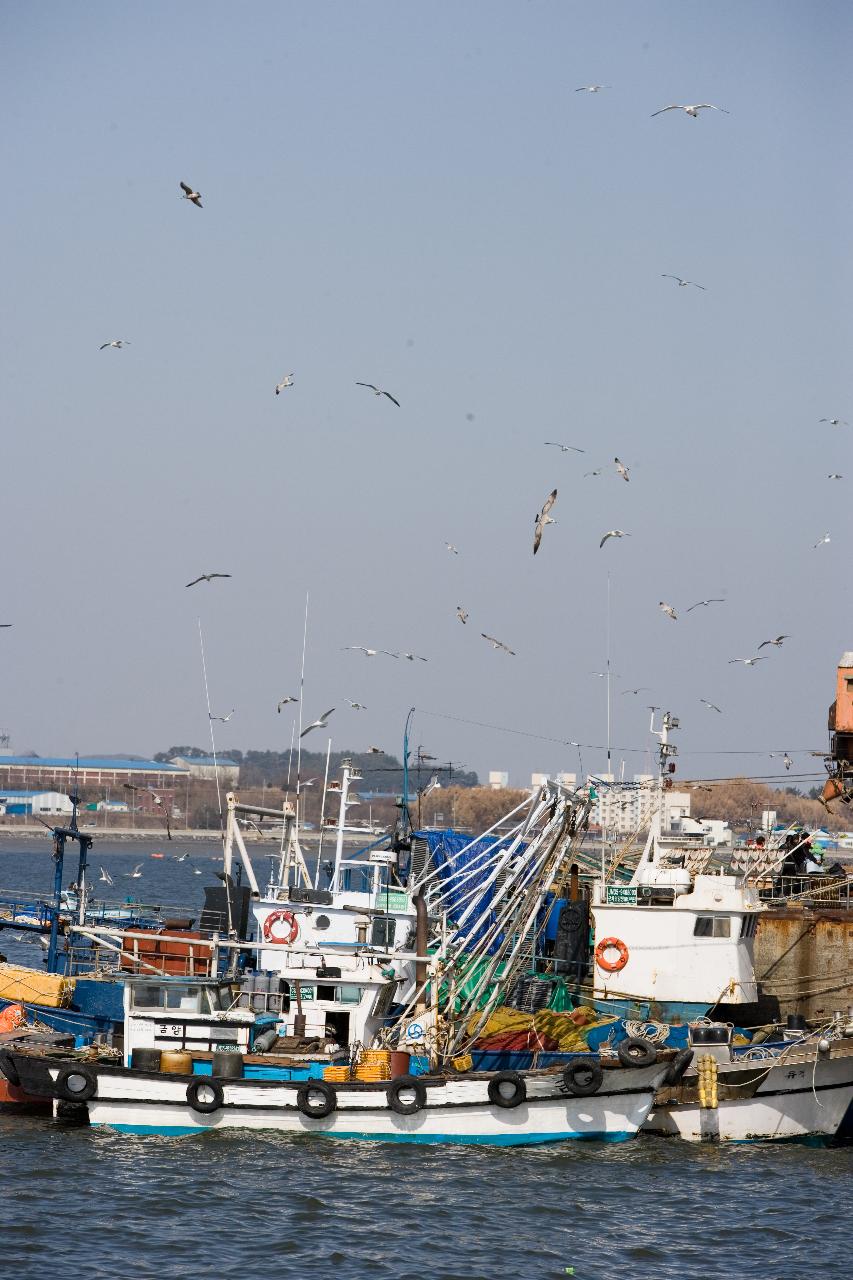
{"type": "Point", "coordinates": [498, 781]}
{"type": "Point", "coordinates": [539, 779]}
{"type": "Point", "coordinates": [88, 771]}
{"type": "Point", "coordinates": [625, 807]}
{"type": "Point", "coordinates": [569, 780]}
{"type": "Point", "coordinates": [23, 803]}
{"type": "Point", "coordinates": [208, 769]}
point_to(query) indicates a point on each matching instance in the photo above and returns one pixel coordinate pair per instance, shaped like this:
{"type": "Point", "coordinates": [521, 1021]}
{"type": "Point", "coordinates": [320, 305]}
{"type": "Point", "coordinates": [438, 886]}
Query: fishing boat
{"type": "Point", "coordinates": [210, 1080]}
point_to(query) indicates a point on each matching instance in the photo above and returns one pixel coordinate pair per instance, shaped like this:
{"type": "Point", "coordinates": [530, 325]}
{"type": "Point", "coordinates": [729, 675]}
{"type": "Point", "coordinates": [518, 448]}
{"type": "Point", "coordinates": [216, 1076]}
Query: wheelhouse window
{"type": "Point", "coordinates": [712, 927]}
{"type": "Point", "coordinates": [154, 996]}
{"type": "Point", "coordinates": [382, 931]}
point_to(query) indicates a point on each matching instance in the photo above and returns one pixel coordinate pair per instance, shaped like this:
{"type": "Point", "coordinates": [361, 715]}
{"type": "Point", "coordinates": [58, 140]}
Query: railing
{"type": "Point", "coordinates": [813, 890]}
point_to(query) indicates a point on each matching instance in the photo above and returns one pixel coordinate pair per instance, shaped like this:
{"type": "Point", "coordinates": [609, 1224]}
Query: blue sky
{"type": "Point", "coordinates": [415, 196]}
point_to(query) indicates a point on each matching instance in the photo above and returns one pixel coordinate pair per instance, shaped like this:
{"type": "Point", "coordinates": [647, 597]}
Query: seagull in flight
{"type": "Point", "coordinates": [748, 662]}
{"type": "Point", "coordinates": [377, 391]}
{"type": "Point", "coordinates": [622, 469]}
{"type": "Point", "coordinates": [287, 381]}
{"type": "Point", "coordinates": [129, 786]}
{"type": "Point", "coordinates": [222, 719]}
{"type": "Point", "coordinates": [498, 644]}
{"type": "Point", "coordinates": [189, 194]}
{"type": "Point", "coordinates": [375, 751]}
{"type": "Point", "coordinates": [564, 448]}
{"type": "Point", "coordinates": [668, 610]}
{"type": "Point", "coordinates": [712, 705]}
{"type": "Point", "coordinates": [118, 343]}
{"type": "Point", "coordinates": [644, 688]}
{"type": "Point", "coordinates": [542, 518]}
{"type": "Point", "coordinates": [835, 422]}
{"type": "Point", "coordinates": [285, 701]}
{"type": "Point", "coordinates": [105, 877]}
{"type": "Point", "coordinates": [825, 538]}
{"type": "Point", "coordinates": [593, 473]}
{"type": "Point", "coordinates": [778, 641]}
{"type": "Point", "coordinates": [462, 614]}
{"type": "Point", "coordinates": [415, 656]}
{"type": "Point", "coordinates": [454, 551]}
{"type": "Point", "coordinates": [691, 110]}
{"type": "Point", "coordinates": [786, 759]}
{"type": "Point", "coordinates": [357, 706]}
{"type": "Point", "coordinates": [835, 475]}
{"type": "Point", "coordinates": [207, 577]}
{"type": "Point", "coordinates": [682, 283]}
{"type": "Point", "coordinates": [592, 88]}
{"type": "Point", "coordinates": [317, 724]}
{"type": "Point", "coordinates": [613, 533]}
{"type": "Point", "coordinates": [135, 874]}
{"type": "Point", "coordinates": [699, 603]}
{"type": "Point", "coordinates": [368, 653]}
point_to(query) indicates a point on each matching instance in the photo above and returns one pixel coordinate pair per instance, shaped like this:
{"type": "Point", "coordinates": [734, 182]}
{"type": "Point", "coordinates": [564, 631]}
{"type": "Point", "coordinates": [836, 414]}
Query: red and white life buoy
{"type": "Point", "coordinates": [611, 944]}
{"type": "Point", "coordinates": [273, 934]}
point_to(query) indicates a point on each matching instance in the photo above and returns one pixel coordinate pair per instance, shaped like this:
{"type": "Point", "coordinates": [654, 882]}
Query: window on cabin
{"type": "Point", "coordinates": [712, 927]}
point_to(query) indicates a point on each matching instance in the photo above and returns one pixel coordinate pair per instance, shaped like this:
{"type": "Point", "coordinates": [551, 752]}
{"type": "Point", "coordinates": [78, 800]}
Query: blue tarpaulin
{"type": "Point", "coordinates": [473, 868]}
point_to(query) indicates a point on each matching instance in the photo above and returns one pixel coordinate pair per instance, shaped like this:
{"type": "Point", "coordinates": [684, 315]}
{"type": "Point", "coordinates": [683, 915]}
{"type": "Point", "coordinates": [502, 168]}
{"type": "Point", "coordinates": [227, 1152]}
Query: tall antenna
{"type": "Point", "coordinates": [210, 722]}
{"type": "Point", "coordinates": [301, 699]}
{"type": "Point", "coordinates": [607, 668]}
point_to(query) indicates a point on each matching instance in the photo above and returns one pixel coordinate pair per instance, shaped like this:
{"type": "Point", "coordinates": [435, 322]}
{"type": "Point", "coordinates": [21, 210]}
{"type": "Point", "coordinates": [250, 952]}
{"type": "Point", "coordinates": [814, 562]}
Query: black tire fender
{"type": "Point", "coordinates": [636, 1052]}
{"type": "Point", "coordinates": [9, 1070]}
{"type": "Point", "coordinates": [310, 1105]}
{"type": "Point", "coordinates": [583, 1078]}
{"type": "Point", "coordinates": [205, 1105]}
{"type": "Point", "coordinates": [497, 1085]}
{"type": "Point", "coordinates": [406, 1084]}
{"type": "Point", "coordinates": [678, 1066]}
{"type": "Point", "coordinates": [66, 1086]}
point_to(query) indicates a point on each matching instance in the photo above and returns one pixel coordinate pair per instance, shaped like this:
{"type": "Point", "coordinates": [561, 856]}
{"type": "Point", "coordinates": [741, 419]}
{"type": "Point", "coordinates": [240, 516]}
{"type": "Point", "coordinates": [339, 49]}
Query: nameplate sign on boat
{"type": "Point", "coordinates": [621, 895]}
{"type": "Point", "coordinates": [392, 900]}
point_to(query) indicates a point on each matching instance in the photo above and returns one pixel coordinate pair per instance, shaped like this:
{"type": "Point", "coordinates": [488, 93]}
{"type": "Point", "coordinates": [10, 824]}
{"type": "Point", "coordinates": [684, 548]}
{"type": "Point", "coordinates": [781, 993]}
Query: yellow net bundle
{"type": "Point", "coordinates": [32, 987]}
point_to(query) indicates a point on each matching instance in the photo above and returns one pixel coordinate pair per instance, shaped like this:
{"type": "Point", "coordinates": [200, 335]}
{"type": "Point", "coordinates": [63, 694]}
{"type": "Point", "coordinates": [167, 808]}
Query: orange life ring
{"type": "Point", "coordinates": [611, 966]}
{"type": "Point", "coordinates": [272, 920]}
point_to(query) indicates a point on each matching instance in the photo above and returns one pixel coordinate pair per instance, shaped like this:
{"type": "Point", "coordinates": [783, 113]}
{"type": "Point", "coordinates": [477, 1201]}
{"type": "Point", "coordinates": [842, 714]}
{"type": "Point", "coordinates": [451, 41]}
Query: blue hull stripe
{"type": "Point", "coordinates": [505, 1140]}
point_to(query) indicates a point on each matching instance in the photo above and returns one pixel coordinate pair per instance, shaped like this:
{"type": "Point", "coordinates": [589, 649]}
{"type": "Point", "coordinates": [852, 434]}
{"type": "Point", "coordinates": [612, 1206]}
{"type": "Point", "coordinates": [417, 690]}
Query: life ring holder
{"type": "Point", "coordinates": [608, 944]}
{"type": "Point", "coordinates": [288, 918]}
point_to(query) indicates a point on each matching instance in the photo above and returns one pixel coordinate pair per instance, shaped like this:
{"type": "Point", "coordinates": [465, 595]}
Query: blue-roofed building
{"type": "Point", "coordinates": [208, 768]}
{"type": "Point", "coordinates": [62, 772]}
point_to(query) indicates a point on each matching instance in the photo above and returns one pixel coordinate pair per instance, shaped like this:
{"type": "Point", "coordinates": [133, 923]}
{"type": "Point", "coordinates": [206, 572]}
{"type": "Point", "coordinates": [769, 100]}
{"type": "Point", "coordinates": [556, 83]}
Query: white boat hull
{"type": "Point", "coordinates": [796, 1100]}
{"type": "Point", "coordinates": [457, 1110]}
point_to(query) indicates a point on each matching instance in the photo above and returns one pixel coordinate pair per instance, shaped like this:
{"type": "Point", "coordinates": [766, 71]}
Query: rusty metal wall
{"type": "Point", "coordinates": [804, 959]}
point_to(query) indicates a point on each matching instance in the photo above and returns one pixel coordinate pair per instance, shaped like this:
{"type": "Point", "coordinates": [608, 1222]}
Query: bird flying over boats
{"type": "Point", "coordinates": [287, 381]}
{"type": "Point", "coordinates": [668, 610]}
{"type": "Point", "coordinates": [105, 877]}
{"type": "Point", "coordinates": [498, 644]}
{"type": "Point", "coordinates": [748, 662]}
{"type": "Point", "coordinates": [621, 469]}
{"type": "Point", "coordinates": [285, 701]}
{"type": "Point", "coordinates": [835, 475]}
{"type": "Point", "coordinates": [692, 110]}
{"type": "Point", "coordinates": [564, 448]}
{"type": "Point", "coordinates": [825, 538]}
{"type": "Point", "coordinates": [377, 391]}
{"type": "Point", "coordinates": [135, 874]}
{"type": "Point", "coordinates": [682, 284]}
{"type": "Point", "coordinates": [777, 642]}
{"type": "Point", "coordinates": [415, 657]}
{"type": "Point", "coordinates": [356, 706]}
{"type": "Point", "coordinates": [542, 518]}
{"type": "Point", "coordinates": [453, 550]}
{"type": "Point", "coordinates": [375, 751]}
{"type": "Point", "coordinates": [207, 577]}
{"type": "Point", "coordinates": [193, 196]}
{"type": "Point", "coordinates": [118, 343]}
{"type": "Point", "coordinates": [835, 422]}
{"type": "Point", "coordinates": [593, 473]}
{"type": "Point", "coordinates": [613, 533]}
{"type": "Point", "coordinates": [700, 603]}
{"type": "Point", "coordinates": [222, 719]}
{"type": "Point", "coordinates": [462, 614]}
{"type": "Point", "coordinates": [592, 88]}
{"type": "Point", "coordinates": [319, 723]}
{"type": "Point", "coordinates": [712, 705]}
{"type": "Point", "coordinates": [643, 688]}
{"type": "Point", "coordinates": [130, 786]}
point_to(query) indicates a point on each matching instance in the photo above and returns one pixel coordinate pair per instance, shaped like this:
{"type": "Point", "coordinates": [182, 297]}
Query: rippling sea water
{"type": "Point", "coordinates": [98, 1204]}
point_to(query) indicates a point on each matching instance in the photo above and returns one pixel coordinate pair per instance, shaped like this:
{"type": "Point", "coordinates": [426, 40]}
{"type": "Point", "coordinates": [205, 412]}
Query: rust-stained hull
{"type": "Point", "coordinates": [804, 961]}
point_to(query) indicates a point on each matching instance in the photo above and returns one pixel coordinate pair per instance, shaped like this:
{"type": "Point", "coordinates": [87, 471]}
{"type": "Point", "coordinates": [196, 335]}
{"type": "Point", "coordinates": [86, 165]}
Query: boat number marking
{"type": "Point", "coordinates": [172, 1030]}
{"type": "Point", "coordinates": [795, 1075]}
